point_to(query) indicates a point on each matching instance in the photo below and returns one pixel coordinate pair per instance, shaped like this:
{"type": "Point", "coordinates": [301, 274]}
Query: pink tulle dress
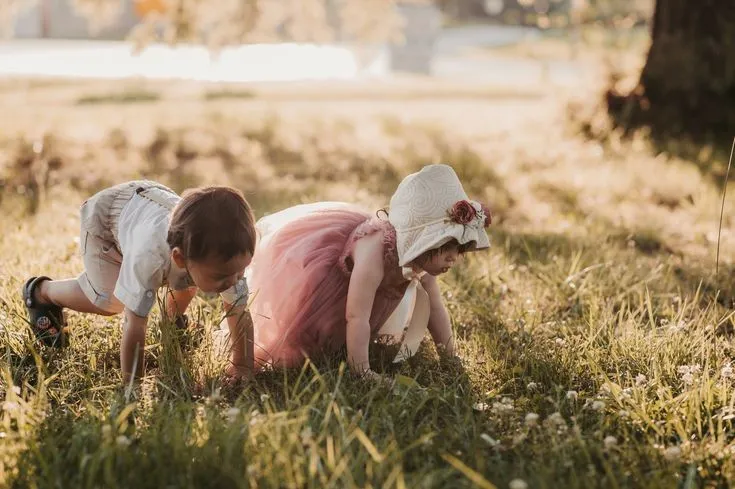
{"type": "Point", "coordinates": [300, 275]}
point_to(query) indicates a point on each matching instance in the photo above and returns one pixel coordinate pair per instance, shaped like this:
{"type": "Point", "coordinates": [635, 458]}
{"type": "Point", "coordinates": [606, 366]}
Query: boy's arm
{"type": "Point", "coordinates": [132, 345]}
{"type": "Point", "coordinates": [242, 355]}
{"type": "Point", "coordinates": [177, 301]}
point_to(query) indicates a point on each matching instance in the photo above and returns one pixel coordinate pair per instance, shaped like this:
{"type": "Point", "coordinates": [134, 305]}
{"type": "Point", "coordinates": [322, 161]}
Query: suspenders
{"type": "Point", "coordinates": [151, 194]}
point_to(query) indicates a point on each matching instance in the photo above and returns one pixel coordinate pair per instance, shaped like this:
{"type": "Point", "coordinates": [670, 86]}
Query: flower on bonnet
{"type": "Point", "coordinates": [488, 216]}
{"type": "Point", "coordinates": [464, 212]}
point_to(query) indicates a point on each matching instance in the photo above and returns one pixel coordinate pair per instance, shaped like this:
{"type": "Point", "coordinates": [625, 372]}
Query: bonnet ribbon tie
{"type": "Point", "coordinates": [409, 321]}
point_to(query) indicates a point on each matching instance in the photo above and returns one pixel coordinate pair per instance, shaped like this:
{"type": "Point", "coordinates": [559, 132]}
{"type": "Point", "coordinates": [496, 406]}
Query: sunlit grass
{"type": "Point", "coordinates": [594, 338]}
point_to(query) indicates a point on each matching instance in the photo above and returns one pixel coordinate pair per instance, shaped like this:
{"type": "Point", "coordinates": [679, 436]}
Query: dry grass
{"type": "Point", "coordinates": [597, 308]}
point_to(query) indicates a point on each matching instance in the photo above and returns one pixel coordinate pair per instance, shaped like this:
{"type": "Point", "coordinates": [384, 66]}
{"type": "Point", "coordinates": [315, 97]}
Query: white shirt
{"type": "Point", "coordinates": [147, 264]}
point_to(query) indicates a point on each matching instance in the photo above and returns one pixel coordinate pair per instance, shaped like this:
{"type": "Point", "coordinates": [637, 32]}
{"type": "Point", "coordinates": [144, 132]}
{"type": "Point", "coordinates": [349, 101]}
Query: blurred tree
{"type": "Point", "coordinates": [687, 86]}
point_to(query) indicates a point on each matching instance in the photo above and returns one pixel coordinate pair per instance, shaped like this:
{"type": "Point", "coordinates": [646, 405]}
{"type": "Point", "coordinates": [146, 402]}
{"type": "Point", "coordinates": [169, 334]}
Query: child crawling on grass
{"type": "Point", "coordinates": [139, 236]}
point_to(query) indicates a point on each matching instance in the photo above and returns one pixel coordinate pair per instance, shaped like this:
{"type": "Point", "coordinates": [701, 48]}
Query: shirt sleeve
{"type": "Point", "coordinates": [141, 275]}
{"type": "Point", "coordinates": [237, 295]}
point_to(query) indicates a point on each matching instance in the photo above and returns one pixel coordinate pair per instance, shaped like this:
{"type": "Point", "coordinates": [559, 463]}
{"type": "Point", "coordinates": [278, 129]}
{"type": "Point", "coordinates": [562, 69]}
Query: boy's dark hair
{"type": "Point", "coordinates": [212, 221]}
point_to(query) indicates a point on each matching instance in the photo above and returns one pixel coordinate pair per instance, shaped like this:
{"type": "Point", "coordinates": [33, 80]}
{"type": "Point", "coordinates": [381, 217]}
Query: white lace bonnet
{"type": "Point", "coordinates": [429, 208]}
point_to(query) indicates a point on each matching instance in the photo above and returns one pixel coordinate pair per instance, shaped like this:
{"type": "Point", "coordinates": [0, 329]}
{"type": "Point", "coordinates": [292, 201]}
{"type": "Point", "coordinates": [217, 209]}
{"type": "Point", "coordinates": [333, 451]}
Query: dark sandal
{"type": "Point", "coordinates": [46, 320]}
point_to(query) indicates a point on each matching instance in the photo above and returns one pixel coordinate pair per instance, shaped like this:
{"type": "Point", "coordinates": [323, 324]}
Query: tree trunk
{"type": "Point", "coordinates": [687, 86]}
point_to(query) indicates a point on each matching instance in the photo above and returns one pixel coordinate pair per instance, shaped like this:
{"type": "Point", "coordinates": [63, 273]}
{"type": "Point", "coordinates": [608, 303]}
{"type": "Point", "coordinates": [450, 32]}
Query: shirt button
{"type": "Point", "coordinates": [149, 294]}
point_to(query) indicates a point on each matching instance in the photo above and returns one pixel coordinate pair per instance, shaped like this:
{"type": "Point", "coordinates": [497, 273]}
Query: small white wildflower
{"type": "Point", "coordinates": [627, 394]}
{"type": "Point", "coordinates": [16, 390]}
{"type": "Point", "coordinates": [532, 386]}
{"type": "Point", "coordinates": [560, 342]}
{"type": "Point", "coordinates": [517, 484]}
{"type": "Point", "coordinates": [727, 371]}
{"type": "Point", "coordinates": [505, 406]}
{"type": "Point", "coordinates": [641, 380]}
{"type": "Point", "coordinates": [610, 441]}
{"type": "Point", "coordinates": [598, 405]}
{"type": "Point", "coordinates": [489, 440]}
{"type": "Point", "coordinates": [2, 435]}
{"type": "Point", "coordinates": [11, 406]}
{"type": "Point", "coordinates": [122, 441]}
{"type": "Point", "coordinates": [306, 435]}
{"type": "Point", "coordinates": [556, 418]}
{"type": "Point", "coordinates": [531, 419]}
{"type": "Point", "coordinates": [264, 397]}
{"type": "Point", "coordinates": [232, 414]}
{"type": "Point", "coordinates": [605, 390]}
{"type": "Point", "coordinates": [480, 406]}
{"type": "Point", "coordinates": [689, 373]}
{"type": "Point", "coordinates": [255, 417]}
{"type": "Point", "coordinates": [672, 454]}
{"type": "Point", "coordinates": [572, 395]}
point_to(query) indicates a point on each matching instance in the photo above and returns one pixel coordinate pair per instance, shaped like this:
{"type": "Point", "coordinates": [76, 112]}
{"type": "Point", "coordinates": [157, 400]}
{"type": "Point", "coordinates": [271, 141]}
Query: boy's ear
{"type": "Point", "coordinates": [178, 257]}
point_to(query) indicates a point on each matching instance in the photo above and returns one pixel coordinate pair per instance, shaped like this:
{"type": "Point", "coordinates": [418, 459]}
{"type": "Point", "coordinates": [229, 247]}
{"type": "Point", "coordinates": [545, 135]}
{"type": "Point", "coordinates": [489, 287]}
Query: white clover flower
{"type": "Point", "coordinates": [11, 406]}
{"type": "Point", "coordinates": [480, 406]}
{"type": "Point", "coordinates": [560, 341]}
{"type": "Point", "coordinates": [641, 380]}
{"type": "Point", "coordinates": [598, 405]}
{"type": "Point", "coordinates": [517, 484]}
{"type": "Point", "coordinates": [264, 397]}
{"type": "Point", "coordinates": [255, 417]}
{"type": "Point", "coordinates": [232, 414]}
{"type": "Point", "coordinates": [556, 418]}
{"type": "Point", "coordinates": [689, 373]}
{"type": "Point", "coordinates": [123, 441]}
{"type": "Point", "coordinates": [726, 372]}
{"type": "Point", "coordinates": [505, 406]}
{"type": "Point", "coordinates": [532, 386]}
{"type": "Point", "coordinates": [531, 419]}
{"type": "Point", "coordinates": [572, 395]}
{"type": "Point", "coordinates": [306, 435]}
{"type": "Point", "coordinates": [672, 454]}
{"type": "Point", "coordinates": [610, 441]}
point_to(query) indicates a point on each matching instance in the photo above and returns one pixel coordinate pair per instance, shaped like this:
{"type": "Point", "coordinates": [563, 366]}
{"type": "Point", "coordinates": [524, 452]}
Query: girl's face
{"type": "Point", "coordinates": [440, 261]}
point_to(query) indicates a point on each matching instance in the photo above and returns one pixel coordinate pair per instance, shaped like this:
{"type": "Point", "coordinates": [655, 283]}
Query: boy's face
{"type": "Point", "coordinates": [214, 275]}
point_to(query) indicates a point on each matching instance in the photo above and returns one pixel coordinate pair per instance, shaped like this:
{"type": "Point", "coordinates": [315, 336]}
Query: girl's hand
{"type": "Point", "coordinates": [235, 372]}
{"type": "Point", "coordinates": [373, 376]}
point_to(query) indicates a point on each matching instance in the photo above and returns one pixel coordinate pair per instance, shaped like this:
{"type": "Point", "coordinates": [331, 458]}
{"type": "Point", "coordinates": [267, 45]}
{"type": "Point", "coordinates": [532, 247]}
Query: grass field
{"type": "Point", "coordinates": [595, 338]}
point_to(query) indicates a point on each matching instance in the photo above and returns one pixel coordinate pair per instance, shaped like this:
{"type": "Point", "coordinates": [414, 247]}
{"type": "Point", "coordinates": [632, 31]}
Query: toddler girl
{"type": "Point", "coordinates": [327, 275]}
